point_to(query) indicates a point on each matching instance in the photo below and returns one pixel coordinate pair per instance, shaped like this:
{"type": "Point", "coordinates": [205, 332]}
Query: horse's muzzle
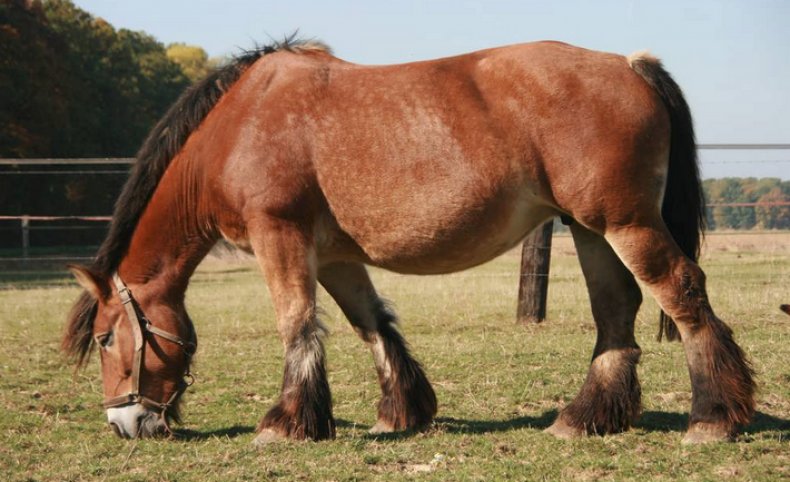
{"type": "Point", "coordinates": [135, 421]}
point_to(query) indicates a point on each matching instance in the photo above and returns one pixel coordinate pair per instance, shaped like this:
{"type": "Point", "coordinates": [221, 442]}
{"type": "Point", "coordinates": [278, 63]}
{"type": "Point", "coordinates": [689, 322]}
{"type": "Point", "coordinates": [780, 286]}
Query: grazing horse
{"type": "Point", "coordinates": [319, 167]}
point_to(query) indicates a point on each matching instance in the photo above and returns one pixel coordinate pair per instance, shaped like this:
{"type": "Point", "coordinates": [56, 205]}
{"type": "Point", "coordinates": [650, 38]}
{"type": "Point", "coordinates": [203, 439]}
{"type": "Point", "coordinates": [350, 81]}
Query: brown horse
{"type": "Point", "coordinates": [319, 167]}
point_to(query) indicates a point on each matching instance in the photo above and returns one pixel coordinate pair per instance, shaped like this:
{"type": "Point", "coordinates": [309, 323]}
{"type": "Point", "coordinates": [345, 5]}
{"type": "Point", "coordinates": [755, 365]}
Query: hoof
{"type": "Point", "coordinates": [562, 430]}
{"type": "Point", "coordinates": [268, 436]}
{"type": "Point", "coordinates": [701, 433]}
{"type": "Point", "coordinates": [381, 427]}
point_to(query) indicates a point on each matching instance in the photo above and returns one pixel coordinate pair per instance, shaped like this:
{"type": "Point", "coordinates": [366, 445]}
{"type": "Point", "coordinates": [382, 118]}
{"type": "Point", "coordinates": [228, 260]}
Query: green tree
{"type": "Point", "coordinates": [748, 190]}
{"type": "Point", "coordinates": [754, 188]}
{"type": "Point", "coordinates": [773, 217]}
{"type": "Point", "coordinates": [730, 190]}
{"type": "Point", "coordinates": [193, 60]}
{"type": "Point", "coordinates": [120, 82]}
{"type": "Point", "coordinates": [710, 221]}
{"type": "Point", "coordinates": [33, 104]}
{"type": "Point", "coordinates": [71, 85]}
{"type": "Point", "coordinates": [155, 83]}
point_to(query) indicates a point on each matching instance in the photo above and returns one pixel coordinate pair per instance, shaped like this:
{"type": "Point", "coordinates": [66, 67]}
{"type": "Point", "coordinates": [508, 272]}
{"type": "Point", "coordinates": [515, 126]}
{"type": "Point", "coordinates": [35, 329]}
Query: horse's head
{"type": "Point", "coordinates": [145, 341]}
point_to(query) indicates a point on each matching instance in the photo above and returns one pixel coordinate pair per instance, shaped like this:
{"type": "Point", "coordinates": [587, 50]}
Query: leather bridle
{"type": "Point", "coordinates": [140, 327]}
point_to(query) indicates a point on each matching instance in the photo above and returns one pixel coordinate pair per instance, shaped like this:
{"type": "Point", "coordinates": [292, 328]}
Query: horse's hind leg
{"type": "Point", "coordinates": [609, 400]}
{"type": "Point", "coordinates": [287, 258]}
{"type": "Point", "coordinates": [722, 385]}
{"type": "Point", "coordinates": [408, 401]}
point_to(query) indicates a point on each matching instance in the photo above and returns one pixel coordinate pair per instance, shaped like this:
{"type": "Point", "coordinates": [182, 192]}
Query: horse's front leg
{"type": "Point", "coordinates": [286, 254]}
{"type": "Point", "coordinates": [407, 399]}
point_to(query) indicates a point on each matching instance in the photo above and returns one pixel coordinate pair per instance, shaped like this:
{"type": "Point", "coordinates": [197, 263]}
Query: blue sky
{"type": "Point", "coordinates": [730, 57]}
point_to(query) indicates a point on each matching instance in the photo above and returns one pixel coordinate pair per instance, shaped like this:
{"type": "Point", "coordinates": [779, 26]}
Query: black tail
{"type": "Point", "coordinates": [684, 203]}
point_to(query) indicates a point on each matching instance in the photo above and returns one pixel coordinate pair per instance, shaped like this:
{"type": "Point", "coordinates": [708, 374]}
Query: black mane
{"type": "Point", "coordinates": [162, 144]}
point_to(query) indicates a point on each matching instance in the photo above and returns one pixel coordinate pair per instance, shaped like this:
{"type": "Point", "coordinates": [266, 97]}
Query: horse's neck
{"type": "Point", "coordinates": [174, 234]}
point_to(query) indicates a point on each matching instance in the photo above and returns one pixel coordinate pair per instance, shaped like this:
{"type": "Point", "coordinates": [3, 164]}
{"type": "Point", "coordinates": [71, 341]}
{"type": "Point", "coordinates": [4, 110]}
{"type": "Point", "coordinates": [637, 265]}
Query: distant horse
{"type": "Point", "coordinates": [320, 167]}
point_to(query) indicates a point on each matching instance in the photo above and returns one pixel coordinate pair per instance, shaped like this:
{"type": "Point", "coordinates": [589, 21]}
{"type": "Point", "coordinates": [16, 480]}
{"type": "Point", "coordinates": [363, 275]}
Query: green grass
{"type": "Point", "coordinates": [498, 384]}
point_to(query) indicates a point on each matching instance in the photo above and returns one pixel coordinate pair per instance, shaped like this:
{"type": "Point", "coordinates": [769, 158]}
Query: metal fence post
{"type": "Point", "coordinates": [534, 280]}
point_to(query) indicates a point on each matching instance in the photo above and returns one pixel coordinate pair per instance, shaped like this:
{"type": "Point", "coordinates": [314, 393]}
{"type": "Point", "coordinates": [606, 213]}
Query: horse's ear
{"type": "Point", "coordinates": [94, 284]}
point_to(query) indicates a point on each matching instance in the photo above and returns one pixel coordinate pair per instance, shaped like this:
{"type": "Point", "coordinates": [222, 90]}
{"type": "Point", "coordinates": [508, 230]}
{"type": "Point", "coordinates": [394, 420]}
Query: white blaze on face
{"type": "Point", "coordinates": [133, 420]}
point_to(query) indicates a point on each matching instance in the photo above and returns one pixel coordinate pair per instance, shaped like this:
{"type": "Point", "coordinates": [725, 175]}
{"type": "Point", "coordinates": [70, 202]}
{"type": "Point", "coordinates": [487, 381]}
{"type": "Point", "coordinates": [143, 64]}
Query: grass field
{"type": "Point", "coordinates": [498, 384]}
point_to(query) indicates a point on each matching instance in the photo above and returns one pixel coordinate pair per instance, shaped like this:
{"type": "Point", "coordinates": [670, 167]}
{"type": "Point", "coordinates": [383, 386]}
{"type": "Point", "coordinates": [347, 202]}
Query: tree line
{"type": "Point", "coordinates": [769, 193]}
{"type": "Point", "coordinates": [74, 86]}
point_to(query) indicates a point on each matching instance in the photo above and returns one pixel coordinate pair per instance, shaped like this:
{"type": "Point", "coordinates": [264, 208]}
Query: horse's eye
{"type": "Point", "coordinates": [104, 339]}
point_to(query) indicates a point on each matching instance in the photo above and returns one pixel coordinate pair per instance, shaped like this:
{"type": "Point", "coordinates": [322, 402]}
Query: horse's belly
{"type": "Point", "coordinates": [443, 235]}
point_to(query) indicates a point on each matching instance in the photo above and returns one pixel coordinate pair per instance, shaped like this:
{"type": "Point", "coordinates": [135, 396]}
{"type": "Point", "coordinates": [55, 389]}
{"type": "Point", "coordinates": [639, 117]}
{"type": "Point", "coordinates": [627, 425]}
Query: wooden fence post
{"type": "Point", "coordinates": [534, 279]}
{"type": "Point", "coordinates": [25, 236]}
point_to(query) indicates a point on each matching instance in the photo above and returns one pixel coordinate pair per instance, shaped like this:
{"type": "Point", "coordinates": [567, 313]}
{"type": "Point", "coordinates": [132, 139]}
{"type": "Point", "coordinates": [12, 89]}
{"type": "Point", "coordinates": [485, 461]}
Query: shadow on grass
{"type": "Point", "coordinates": [461, 426]}
{"type": "Point", "coordinates": [662, 422]}
{"type": "Point", "coordinates": [187, 435]}
{"type": "Point", "coordinates": [763, 422]}
{"type": "Point", "coordinates": [441, 424]}
{"type": "Point", "coordinates": [650, 422]}
{"type": "Point", "coordinates": [455, 425]}
{"type": "Point", "coordinates": [678, 422]}
{"type": "Point", "coordinates": [342, 423]}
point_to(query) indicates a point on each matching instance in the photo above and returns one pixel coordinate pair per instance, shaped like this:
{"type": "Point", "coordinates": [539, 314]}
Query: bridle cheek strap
{"type": "Point", "coordinates": [139, 343]}
{"type": "Point", "coordinates": [128, 304]}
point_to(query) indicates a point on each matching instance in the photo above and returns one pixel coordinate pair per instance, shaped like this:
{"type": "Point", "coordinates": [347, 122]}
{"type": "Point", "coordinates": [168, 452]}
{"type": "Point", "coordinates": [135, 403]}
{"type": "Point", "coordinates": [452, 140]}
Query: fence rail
{"type": "Point", "coordinates": [67, 162]}
{"type": "Point", "coordinates": [56, 218]}
{"type": "Point", "coordinates": [744, 147]}
{"type": "Point", "coordinates": [748, 205]}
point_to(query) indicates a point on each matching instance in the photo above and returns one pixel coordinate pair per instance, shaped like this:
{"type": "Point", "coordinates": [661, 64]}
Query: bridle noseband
{"type": "Point", "coordinates": [140, 326]}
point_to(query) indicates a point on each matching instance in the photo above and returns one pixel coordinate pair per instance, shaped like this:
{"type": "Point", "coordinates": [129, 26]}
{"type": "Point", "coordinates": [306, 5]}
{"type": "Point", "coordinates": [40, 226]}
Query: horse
{"type": "Point", "coordinates": [320, 167]}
